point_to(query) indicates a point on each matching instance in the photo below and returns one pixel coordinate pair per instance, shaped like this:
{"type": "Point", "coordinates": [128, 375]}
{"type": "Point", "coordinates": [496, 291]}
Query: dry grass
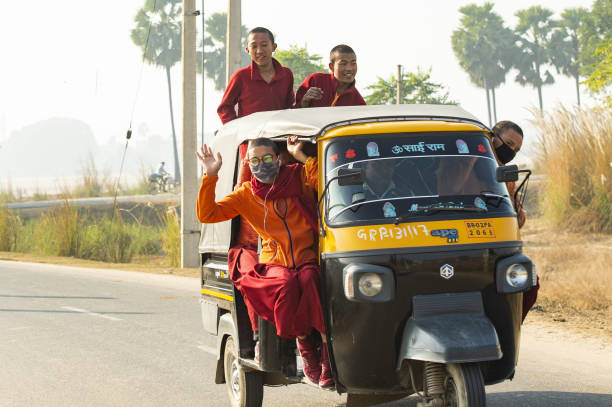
{"type": "Point", "coordinates": [574, 270]}
{"type": "Point", "coordinates": [574, 150]}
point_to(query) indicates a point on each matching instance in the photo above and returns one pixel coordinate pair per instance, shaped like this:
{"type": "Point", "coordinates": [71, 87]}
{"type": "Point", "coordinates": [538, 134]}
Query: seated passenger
{"type": "Point", "coordinates": [278, 203]}
{"type": "Point", "coordinates": [335, 89]}
{"type": "Point", "coordinates": [378, 180]}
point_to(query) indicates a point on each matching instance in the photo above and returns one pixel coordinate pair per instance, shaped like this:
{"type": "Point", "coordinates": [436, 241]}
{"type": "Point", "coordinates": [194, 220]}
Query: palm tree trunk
{"type": "Point", "coordinates": [488, 102]}
{"type": "Point", "coordinates": [177, 170]}
{"type": "Point", "coordinates": [577, 89]}
{"type": "Point", "coordinates": [494, 105]}
{"type": "Point", "coordinates": [540, 98]}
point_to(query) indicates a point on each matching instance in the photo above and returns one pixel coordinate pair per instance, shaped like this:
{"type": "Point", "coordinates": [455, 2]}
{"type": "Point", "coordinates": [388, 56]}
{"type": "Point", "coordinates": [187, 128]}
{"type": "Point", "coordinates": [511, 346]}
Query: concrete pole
{"type": "Point", "coordinates": [190, 230]}
{"type": "Point", "coordinates": [234, 40]}
{"type": "Point", "coordinates": [399, 85]}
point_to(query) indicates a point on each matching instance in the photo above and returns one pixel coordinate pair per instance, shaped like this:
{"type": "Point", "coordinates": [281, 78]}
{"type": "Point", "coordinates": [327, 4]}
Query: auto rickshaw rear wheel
{"type": "Point", "coordinates": [245, 389]}
{"type": "Point", "coordinates": [464, 386]}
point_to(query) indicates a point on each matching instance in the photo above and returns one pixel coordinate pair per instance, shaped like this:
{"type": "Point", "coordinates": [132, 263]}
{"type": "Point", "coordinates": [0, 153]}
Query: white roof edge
{"type": "Point", "coordinates": [312, 122]}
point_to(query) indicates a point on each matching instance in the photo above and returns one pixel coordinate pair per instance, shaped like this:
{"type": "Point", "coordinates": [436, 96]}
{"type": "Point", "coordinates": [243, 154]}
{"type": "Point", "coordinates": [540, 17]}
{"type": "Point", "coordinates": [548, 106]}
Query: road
{"type": "Point", "coordinates": [92, 337]}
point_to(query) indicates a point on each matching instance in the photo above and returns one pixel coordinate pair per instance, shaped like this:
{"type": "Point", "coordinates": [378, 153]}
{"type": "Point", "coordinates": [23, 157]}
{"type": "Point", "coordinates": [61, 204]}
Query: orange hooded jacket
{"type": "Point", "coordinates": [288, 242]}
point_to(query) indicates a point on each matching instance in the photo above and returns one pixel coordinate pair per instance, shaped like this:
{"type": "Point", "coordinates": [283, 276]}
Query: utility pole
{"type": "Point", "coordinates": [190, 230]}
{"type": "Point", "coordinates": [399, 85]}
{"type": "Point", "coordinates": [203, 76]}
{"type": "Point", "coordinates": [234, 40]}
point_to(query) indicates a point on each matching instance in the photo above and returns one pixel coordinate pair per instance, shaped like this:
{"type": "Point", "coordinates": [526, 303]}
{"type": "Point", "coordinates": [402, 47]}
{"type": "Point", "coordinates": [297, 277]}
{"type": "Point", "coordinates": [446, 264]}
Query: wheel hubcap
{"type": "Point", "coordinates": [235, 379]}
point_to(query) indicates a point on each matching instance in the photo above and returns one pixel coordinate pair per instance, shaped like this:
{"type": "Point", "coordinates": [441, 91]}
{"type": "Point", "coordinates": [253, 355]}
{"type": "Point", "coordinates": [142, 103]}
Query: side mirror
{"type": "Point", "coordinates": [350, 176]}
{"type": "Point", "coordinates": [507, 173]}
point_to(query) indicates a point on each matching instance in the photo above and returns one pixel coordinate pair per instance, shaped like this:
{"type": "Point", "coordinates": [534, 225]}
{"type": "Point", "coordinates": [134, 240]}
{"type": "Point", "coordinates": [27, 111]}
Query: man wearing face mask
{"type": "Point", "coordinates": [507, 141]}
{"type": "Point", "coordinates": [279, 204]}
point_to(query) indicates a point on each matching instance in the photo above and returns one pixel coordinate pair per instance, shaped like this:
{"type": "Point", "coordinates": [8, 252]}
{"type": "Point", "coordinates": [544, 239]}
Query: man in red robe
{"type": "Point", "coordinates": [335, 89]}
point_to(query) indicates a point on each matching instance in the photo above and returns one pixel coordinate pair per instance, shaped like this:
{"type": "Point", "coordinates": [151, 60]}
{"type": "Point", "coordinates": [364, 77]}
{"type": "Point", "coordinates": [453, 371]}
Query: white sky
{"type": "Point", "coordinates": [75, 59]}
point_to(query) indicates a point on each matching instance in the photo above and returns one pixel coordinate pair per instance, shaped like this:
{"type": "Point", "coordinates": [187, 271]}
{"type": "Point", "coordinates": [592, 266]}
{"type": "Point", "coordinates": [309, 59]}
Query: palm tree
{"type": "Point", "coordinates": [158, 33]}
{"type": "Point", "coordinates": [485, 49]}
{"type": "Point", "coordinates": [566, 44]}
{"type": "Point", "coordinates": [216, 30]}
{"type": "Point", "coordinates": [534, 29]}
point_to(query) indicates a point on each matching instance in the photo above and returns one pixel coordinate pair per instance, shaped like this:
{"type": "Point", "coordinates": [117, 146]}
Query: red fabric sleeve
{"type": "Point", "coordinates": [290, 94]}
{"type": "Point", "coordinates": [227, 108]}
{"type": "Point", "coordinates": [302, 91]}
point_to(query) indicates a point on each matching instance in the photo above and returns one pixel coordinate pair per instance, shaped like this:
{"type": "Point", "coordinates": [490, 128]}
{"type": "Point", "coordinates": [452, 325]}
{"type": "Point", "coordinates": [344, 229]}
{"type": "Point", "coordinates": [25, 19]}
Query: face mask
{"type": "Point", "coordinates": [265, 172]}
{"type": "Point", "coordinates": [504, 153]}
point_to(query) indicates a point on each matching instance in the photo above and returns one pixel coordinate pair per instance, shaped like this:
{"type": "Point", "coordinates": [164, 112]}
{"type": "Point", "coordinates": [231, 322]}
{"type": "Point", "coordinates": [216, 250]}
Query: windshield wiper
{"type": "Point", "coordinates": [489, 196]}
{"type": "Point", "coordinates": [434, 208]}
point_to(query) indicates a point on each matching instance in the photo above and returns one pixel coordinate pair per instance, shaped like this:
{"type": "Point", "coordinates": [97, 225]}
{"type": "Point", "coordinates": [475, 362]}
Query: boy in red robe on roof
{"type": "Point", "coordinates": [279, 203]}
{"type": "Point", "coordinates": [335, 89]}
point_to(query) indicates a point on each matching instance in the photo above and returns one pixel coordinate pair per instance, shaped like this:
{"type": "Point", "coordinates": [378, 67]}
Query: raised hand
{"type": "Point", "coordinates": [294, 147]}
{"type": "Point", "coordinates": [311, 94]}
{"type": "Point", "coordinates": [210, 164]}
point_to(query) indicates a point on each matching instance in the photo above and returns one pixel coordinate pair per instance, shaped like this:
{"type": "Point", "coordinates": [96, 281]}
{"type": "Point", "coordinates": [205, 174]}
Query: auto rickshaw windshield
{"type": "Point", "coordinates": [405, 172]}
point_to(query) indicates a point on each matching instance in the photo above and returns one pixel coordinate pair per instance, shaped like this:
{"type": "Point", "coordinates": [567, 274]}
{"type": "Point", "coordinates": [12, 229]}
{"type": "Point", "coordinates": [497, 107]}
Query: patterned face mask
{"type": "Point", "coordinates": [265, 172]}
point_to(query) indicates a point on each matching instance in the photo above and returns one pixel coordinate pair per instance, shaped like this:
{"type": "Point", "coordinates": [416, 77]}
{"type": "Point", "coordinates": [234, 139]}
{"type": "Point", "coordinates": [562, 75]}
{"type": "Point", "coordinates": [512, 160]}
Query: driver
{"type": "Point", "coordinates": [378, 180]}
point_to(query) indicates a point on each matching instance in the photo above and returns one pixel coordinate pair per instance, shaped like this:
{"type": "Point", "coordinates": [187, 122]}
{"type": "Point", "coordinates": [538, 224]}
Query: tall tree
{"type": "Point", "coordinates": [300, 62]}
{"type": "Point", "coordinates": [596, 54]}
{"type": "Point", "coordinates": [566, 44]}
{"type": "Point", "coordinates": [215, 50]}
{"type": "Point", "coordinates": [534, 29]}
{"type": "Point", "coordinates": [158, 33]}
{"type": "Point", "coordinates": [485, 48]}
{"type": "Point", "coordinates": [415, 88]}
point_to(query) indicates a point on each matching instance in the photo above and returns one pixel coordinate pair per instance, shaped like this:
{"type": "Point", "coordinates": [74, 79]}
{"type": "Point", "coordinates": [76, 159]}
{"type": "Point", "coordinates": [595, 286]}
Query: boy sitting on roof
{"type": "Point", "coordinates": [335, 89]}
{"type": "Point", "coordinates": [278, 202]}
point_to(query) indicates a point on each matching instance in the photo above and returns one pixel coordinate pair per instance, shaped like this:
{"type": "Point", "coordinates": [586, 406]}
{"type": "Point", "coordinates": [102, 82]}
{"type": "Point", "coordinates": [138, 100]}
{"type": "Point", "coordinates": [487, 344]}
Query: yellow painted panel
{"type": "Point", "coordinates": [399, 127]}
{"type": "Point", "coordinates": [420, 234]}
{"type": "Point", "coordinates": [218, 295]}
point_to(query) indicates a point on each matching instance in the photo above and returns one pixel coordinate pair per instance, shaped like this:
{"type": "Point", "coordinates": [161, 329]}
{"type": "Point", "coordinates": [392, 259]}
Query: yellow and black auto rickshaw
{"type": "Point", "coordinates": [422, 271]}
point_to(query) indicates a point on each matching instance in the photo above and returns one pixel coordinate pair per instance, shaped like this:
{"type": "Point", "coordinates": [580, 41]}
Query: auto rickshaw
{"type": "Point", "coordinates": [422, 271]}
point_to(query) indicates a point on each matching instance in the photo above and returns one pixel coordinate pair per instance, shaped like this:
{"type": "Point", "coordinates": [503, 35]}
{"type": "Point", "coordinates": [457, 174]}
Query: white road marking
{"type": "Point", "coordinates": [84, 311]}
{"type": "Point", "coordinates": [208, 349]}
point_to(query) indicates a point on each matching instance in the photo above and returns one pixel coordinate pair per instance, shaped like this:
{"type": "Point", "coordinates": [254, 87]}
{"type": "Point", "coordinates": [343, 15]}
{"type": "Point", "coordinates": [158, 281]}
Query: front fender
{"type": "Point", "coordinates": [449, 328]}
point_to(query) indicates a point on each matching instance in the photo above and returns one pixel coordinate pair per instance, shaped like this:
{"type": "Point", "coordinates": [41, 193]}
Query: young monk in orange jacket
{"type": "Point", "coordinates": [279, 204]}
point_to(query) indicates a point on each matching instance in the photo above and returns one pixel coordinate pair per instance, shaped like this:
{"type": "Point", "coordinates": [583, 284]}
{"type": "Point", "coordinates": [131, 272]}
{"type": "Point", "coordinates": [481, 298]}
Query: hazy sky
{"type": "Point", "coordinates": [75, 59]}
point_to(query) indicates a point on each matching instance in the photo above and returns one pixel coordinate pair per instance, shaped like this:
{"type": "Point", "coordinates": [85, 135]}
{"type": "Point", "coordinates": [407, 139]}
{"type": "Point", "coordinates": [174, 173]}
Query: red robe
{"type": "Point", "coordinates": [329, 85]}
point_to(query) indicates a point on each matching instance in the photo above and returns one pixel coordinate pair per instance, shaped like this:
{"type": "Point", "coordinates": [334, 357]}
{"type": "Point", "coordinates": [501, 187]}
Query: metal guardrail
{"type": "Point", "coordinates": [89, 202]}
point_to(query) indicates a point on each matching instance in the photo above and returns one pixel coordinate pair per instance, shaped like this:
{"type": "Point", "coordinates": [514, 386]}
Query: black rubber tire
{"type": "Point", "coordinates": [466, 383]}
{"type": "Point", "coordinates": [245, 389]}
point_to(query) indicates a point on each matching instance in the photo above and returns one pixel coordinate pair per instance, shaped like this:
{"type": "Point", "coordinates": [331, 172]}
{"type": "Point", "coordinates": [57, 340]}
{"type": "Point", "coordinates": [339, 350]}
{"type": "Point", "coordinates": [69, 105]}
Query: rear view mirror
{"type": "Point", "coordinates": [507, 173]}
{"type": "Point", "coordinates": [350, 176]}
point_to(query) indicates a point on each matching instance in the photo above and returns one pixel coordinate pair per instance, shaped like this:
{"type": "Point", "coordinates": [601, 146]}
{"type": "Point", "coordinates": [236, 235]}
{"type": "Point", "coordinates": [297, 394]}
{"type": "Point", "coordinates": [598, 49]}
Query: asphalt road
{"type": "Point", "coordinates": [85, 337]}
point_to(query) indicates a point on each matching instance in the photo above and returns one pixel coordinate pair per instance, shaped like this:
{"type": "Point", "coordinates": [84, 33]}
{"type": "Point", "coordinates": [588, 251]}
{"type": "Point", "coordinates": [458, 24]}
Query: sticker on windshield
{"type": "Point", "coordinates": [482, 148]}
{"type": "Point", "coordinates": [372, 149]}
{"type": "Point", "coordinates": [350, 153]}
{"type": "Point", "coordinates": [479, 203]}
{"type": "Point", "coordinates": [477, 230]}
{"type": "Point", "coordinates": [420, 147]}
{"type": "Point", "coordinates": [462, 147]}
{"type": "Point", "coordinates": [334, 158]}
{"type": "Point", "coordinates": [389, 210]}
{"type": "Point", "coordinates": [414, 207]}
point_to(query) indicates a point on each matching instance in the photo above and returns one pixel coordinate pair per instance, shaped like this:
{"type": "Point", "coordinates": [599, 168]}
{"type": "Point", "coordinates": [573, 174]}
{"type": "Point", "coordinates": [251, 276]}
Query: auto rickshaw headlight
{"type": "Point", "coordinates": [370, 284]}
{"type": "Point", "coordinates": [517, 275]}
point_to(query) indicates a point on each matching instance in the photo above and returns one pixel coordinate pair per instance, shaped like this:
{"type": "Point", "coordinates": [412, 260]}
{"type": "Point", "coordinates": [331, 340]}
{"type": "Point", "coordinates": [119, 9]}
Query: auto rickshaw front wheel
{"type": "Point", "coordinates": [245, 388]}
{"type": "Point", "coordinates": [464, 386]}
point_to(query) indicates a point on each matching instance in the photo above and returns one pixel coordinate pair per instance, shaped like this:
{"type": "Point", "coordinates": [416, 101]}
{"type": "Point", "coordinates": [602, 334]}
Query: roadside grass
{"type": "Point", "coordinates": [66, 231]}
{"type": "Point", "coordinates": [574, 270]}
{"type": "Point", "coordinates": [574, 151]}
